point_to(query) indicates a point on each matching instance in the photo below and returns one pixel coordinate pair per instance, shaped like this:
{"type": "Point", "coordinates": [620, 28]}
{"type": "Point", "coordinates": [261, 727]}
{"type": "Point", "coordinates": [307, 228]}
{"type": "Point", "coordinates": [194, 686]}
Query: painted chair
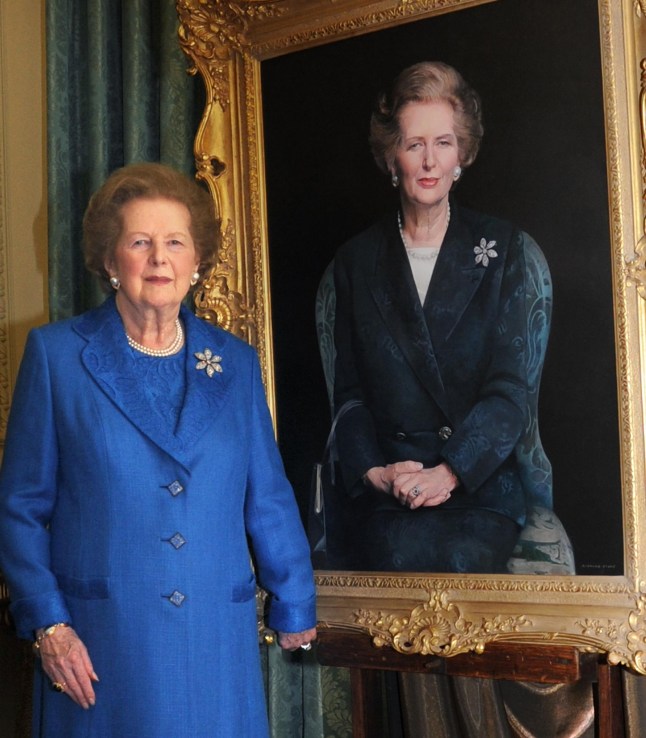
{"type": "Point", "coordinates": [543, 546]}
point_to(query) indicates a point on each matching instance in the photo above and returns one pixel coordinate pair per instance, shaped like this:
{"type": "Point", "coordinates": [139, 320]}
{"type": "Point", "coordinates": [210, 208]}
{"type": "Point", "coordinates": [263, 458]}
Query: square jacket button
{"type": "Point", "coordinates": [175, 488]}
{"type": "Point", "coordinates": [177, 598]}
{"type": "Point", "coordinates": [177, 541]}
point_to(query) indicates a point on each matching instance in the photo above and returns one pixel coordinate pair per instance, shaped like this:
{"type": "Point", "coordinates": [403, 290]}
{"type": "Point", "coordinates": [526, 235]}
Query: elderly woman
{"type": "Point", "coordinates": [140, 477]}
{"type": "Point", "coordinates": [430, 334]}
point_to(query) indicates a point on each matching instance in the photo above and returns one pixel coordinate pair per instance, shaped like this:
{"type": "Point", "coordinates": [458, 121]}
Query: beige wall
{"type": "Point", "coordinates": [23, 195]}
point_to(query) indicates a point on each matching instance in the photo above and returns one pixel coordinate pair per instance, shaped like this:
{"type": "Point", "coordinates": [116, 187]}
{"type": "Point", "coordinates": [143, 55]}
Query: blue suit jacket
{"type": "Point", "coordinates": [140, 534]}
{"type": "Point", "coordinates": [457, 362]}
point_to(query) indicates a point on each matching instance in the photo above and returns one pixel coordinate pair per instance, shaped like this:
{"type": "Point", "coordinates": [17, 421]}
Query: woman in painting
{"type": "Point", "coordinates": [430, 333]}
{"type": "Point", "coordinates": [140, 477]}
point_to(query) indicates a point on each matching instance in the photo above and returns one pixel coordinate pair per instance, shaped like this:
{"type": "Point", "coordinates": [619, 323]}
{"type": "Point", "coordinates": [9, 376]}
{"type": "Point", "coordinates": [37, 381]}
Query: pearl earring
{"type": "Point", "coordinates": [115, 282]}
{"type": "Point", "coordinates": [195, 278]}
{"type": "Point", "coordinates": [457, 172]}
{"type": "Point", "coordinates": [394, 180]}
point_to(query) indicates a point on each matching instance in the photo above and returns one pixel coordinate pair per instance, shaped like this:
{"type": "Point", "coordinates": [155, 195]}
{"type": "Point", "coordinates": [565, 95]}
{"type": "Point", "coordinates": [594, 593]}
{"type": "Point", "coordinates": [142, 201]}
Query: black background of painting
{"type": "Point", "coordinates": [537, 67]}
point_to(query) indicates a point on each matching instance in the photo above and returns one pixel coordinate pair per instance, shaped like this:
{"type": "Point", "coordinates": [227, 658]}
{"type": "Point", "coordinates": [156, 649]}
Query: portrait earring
{"type": "Point", "coordinates": [394, 180]}
{"type": "Point", "coordinates": [115, 283]}
{"type": "Point", "coordinates": [457, 173]}
{"type": "Point", "coordinates": [195, 278]}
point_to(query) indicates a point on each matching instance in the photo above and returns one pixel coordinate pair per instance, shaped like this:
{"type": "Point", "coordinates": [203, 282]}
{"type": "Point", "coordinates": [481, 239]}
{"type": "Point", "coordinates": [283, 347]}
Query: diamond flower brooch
{"type": "Point", "coordinates": [485, 251]}
{"type": "Point", "coordinates": [208, 361]}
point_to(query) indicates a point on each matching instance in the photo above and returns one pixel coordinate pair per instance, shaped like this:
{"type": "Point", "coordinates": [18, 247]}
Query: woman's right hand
{"type": "Point", "coordinates": [382, 478]}
{"type": "Point", "coordinates": [66, 662]}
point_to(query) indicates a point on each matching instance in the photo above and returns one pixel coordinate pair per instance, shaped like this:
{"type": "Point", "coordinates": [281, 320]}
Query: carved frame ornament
{"type": "Point", "coordinates": [226, 41]}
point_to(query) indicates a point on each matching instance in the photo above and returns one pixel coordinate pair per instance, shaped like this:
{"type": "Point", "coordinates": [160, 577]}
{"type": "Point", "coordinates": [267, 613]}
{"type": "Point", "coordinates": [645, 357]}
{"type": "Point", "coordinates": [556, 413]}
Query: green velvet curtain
{"type": "Point", "coordinates": [118, 92]}
{"type": "Point", "coordinates": [304, 699]}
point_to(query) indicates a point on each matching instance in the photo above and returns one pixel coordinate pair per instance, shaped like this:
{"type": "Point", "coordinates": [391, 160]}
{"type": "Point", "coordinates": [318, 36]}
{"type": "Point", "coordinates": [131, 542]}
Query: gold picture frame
{"type": "Point", "coordinates": [227, 41]}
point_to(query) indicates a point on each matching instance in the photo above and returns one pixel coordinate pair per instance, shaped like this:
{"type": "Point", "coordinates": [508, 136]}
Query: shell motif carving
{"type": "Point", "coordinates": [436, 628]}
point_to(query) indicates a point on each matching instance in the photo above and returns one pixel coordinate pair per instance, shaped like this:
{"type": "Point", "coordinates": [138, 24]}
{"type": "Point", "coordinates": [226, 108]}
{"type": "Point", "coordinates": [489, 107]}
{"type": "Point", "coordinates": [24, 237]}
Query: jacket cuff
{"type": "Point", "coordinates": [39, 612]}
{"type": "Point", "coordinates": [288, 617]}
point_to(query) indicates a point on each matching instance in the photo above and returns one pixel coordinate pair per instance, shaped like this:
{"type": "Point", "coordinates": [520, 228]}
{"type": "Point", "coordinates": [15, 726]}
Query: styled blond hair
{"type": "Point", "coordinates": [427, 82]}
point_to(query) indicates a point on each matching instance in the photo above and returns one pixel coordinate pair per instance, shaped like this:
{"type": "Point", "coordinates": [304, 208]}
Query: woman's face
{"type": "Point", "coordinates": [427, 154]}
{"type": "Point", "coordinates": [155, 255]}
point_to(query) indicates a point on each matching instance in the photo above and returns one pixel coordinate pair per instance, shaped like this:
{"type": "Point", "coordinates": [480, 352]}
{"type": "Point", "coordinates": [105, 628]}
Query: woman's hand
{"type": "Point", "coordinates": [382, 478]}
{"type": "Point", "coordinates": [425, 488]}
{"type": "Point", "coordinates": [67, 663]}
{"type": "Point", "coordinates": [292, 641]}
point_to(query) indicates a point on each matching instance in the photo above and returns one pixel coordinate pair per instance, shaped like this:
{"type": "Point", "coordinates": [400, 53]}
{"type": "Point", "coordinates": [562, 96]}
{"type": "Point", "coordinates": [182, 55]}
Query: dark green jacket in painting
{"type": "Point", "coordinates": [446, 380]}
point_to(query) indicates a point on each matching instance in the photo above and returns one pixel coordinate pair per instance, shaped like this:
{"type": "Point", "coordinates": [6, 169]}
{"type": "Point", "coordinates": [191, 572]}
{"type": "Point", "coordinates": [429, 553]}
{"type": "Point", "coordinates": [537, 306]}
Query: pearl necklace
{"type": "Point", "coordinates": [169, 351]}
{"type": "Point", "coordinates": [401, 227]}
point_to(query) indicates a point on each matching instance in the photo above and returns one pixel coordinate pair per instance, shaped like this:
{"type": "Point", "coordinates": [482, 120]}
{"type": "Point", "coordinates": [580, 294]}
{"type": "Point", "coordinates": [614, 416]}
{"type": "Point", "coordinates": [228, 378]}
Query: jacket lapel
{"type": "Point", "coordinates": [110, 361]}
{"type": "Point", "coordinates": [456, 278]}
{"type": "Point", "coordinates": [394, 292]}
{"type": "Point", "coordinates": [205, 393]}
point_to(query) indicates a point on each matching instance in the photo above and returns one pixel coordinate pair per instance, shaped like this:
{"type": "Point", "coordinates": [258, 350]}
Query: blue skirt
{"type": "Point", "coordinates": [433, 539]}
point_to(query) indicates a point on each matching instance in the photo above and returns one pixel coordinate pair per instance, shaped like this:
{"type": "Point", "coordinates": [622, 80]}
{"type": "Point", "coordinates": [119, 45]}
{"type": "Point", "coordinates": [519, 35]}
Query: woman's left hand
{"type": "Point", "coordinates": [292, 641]}
{"type": "Point", "coordinates": [426, 488]}
{"type": "Point", "coordinates": [66, 662]}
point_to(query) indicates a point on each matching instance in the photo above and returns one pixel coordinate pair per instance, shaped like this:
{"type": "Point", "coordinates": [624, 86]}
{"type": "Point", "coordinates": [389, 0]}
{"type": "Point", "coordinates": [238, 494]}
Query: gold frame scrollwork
{"type": "Point", "coordinates": [227, 151]}
{"type": "Point", "coordinates": [636, 267]}
{"type": "Point", "coordinates": [226, 42]}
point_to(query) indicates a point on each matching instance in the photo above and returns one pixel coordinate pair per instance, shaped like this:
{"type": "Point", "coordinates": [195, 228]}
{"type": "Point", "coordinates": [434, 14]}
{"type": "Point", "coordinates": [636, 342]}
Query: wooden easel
{"type": "Point", "coordinates": [531, 663]}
